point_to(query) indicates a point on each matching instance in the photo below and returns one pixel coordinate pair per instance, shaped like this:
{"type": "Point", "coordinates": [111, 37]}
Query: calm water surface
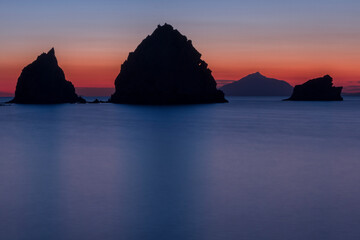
{"type": "Point", "coordinates": [256, 168]}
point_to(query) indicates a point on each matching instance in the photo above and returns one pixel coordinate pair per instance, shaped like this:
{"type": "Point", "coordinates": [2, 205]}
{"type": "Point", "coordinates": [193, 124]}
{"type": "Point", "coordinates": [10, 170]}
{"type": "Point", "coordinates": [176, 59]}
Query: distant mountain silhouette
{"type": "Point", "coordinates": [257, 85]}
{"type": "Point", "coordinates": [6, 94]}
{"type": "Point", "coordinates": [355, 94]}
{"type": "Point", "coordinates": [221, 83]}
{"type": "Point", "coordinates": [319, 89]}
{"type": "Point", "coordinates": [166, 69]}
{"type": "Point", "coordinates": [94, 92]}
{"type": "Point", "coordinates": [43, 82]}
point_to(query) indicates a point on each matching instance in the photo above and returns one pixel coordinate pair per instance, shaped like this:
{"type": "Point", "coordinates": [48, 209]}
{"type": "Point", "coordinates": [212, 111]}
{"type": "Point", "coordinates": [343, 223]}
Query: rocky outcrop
{"type": "Point", "coordinates": [165, 69]}
{"type": "Point", "coordinates": [319, 89]}
{"type": "Point", "coordinates": [257, 85]}
{"type": "Point", "coordinates": [43, 82]}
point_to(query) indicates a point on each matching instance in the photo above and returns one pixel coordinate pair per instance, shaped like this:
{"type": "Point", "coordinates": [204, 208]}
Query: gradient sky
{"type": "Point", "coordinates": [284, 39]}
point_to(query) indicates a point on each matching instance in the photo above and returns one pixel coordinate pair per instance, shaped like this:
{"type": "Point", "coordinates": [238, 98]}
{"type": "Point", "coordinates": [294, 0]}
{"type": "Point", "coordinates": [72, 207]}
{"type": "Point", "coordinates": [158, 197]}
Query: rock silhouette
{"type": "Point", "coordinates": [319, 89]}
{"type": "Point", "coordinates": [257, 85]}
{"type": "Point", "coordinates": [43, 82]}
{"type": "Point", "coordinates": [166, 69]}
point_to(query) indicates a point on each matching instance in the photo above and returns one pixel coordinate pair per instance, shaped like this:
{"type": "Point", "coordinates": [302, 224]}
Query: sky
{"type": "Point", "coordinates": [284, 39]}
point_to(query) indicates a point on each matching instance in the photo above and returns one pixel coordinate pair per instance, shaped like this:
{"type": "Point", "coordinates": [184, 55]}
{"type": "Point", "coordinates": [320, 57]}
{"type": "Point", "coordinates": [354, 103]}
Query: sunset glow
{"type": "Point", "coordinates": [286, 40]}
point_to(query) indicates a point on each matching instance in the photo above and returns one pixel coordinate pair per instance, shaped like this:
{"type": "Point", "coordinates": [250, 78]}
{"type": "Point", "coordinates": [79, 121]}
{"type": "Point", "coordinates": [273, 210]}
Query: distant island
{"type": "Point", "coordinates": [257, 84]}
{"type": "Point", "coordinates": [94, 92]}
{"type": "Point", "coordinates": [220, 83]}
{"type": "Point", "coordinates": [166, 69]}
{"type": "Point", "coordinates": [6, 94]}
{"type": "Point", "coordinates": [354, 94]}
{"type": "Point", "coordinates": [318, 89]}
{"type": "Point", "coordinates": [43, 82]}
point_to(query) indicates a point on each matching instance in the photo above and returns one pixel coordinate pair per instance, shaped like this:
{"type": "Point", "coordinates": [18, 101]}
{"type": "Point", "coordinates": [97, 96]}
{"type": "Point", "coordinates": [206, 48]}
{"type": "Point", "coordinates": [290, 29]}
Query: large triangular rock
{"type": "Point", "coordinates": [319, 89]}
{"type": "Point", "coordinates": [165, 69]}
{"type": "Point", "coordinates": [43, 82]}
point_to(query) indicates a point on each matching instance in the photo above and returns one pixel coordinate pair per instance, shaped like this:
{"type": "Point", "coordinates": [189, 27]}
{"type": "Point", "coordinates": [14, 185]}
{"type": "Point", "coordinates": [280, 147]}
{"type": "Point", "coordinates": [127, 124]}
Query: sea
{"type": "Point", "coordinates": [256, 168]}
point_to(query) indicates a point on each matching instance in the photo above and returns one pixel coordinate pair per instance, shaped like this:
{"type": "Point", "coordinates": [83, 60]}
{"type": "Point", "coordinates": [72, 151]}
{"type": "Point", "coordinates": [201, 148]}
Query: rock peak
{"type": "Point", "coordinates": [165, 31]}
{"type": "Point", "coordinates": [43, 82]}
{"type": "Point", "coordinates": [51, 52]}
{"type": "Point", "coordinates": [258, 74]}
{"type": "Point", "coordinates": [328, 77]}
{"type": "Point", "coordinates": [166, 26]}
{"type": "Point", "coordinates": [165, 69]}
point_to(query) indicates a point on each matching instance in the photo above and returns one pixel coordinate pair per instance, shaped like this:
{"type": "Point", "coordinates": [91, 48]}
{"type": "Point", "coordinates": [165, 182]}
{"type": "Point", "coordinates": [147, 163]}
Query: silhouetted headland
{"type": "Point", "coordinates": [257, 85]}
{"type": "Point", "coordinates": [319, 89]}
{"type": "Point", "coordinates": [43, 82]}
{"type": "Point", "coordinates": [166, 69]}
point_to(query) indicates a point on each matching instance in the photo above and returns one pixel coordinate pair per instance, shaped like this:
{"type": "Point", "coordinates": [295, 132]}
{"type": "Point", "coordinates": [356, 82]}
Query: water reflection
{"type": "Point", "coordinates": [246, 170]}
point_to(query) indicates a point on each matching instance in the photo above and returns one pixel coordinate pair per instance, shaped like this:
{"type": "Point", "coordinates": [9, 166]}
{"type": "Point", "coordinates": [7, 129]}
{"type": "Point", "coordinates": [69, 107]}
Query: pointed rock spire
{"type": "Point", "coordinates": [51, 52]}
{"type": "Point", "coordinates": [258, 74]}
{"type": "Point", "coordinates": [43, 82]}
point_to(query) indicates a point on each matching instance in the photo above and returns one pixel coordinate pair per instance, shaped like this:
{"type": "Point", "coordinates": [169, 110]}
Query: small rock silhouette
{"type": "Point", "coordinates": [319, 89]}
{"type": "Point", "coordinates": [43, 82]}
{"type": "Point", "coordinates": [166, 69]}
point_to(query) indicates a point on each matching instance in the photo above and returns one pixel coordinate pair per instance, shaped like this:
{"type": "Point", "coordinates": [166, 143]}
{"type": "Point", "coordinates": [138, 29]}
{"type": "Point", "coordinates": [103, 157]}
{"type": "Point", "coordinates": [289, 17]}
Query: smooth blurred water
{"type": "Point", "coordinates": [256, 168]}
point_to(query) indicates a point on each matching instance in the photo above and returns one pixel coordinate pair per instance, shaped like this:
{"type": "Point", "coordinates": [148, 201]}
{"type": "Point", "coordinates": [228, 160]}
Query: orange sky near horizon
{"type": "Point", "coordinates": [97, 69]}
{"type": "Point", "coordinates": [284, 39]}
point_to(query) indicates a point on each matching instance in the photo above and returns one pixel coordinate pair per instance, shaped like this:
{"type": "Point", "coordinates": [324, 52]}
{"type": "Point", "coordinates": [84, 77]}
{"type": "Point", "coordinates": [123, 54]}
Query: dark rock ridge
{"type": "Point", "coordinates": [319, 89]}
{"type": "Point", "coordinates": [257, 85]}
{"type": "Point", "coordinates": [166, 69]}
{"type": "Point", "coordinates": [43, 82]}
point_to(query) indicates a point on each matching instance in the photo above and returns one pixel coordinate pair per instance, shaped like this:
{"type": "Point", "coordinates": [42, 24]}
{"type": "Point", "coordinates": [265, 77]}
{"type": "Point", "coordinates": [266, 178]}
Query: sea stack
{"type": "Point", "coordinates": [257, 84]}
{"type": "Point", "coordinates": [166, 69]}
{"type": "Point", "coordinates": [319, 89]}
{"type": "Point", "coordinates": [43, 82]}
